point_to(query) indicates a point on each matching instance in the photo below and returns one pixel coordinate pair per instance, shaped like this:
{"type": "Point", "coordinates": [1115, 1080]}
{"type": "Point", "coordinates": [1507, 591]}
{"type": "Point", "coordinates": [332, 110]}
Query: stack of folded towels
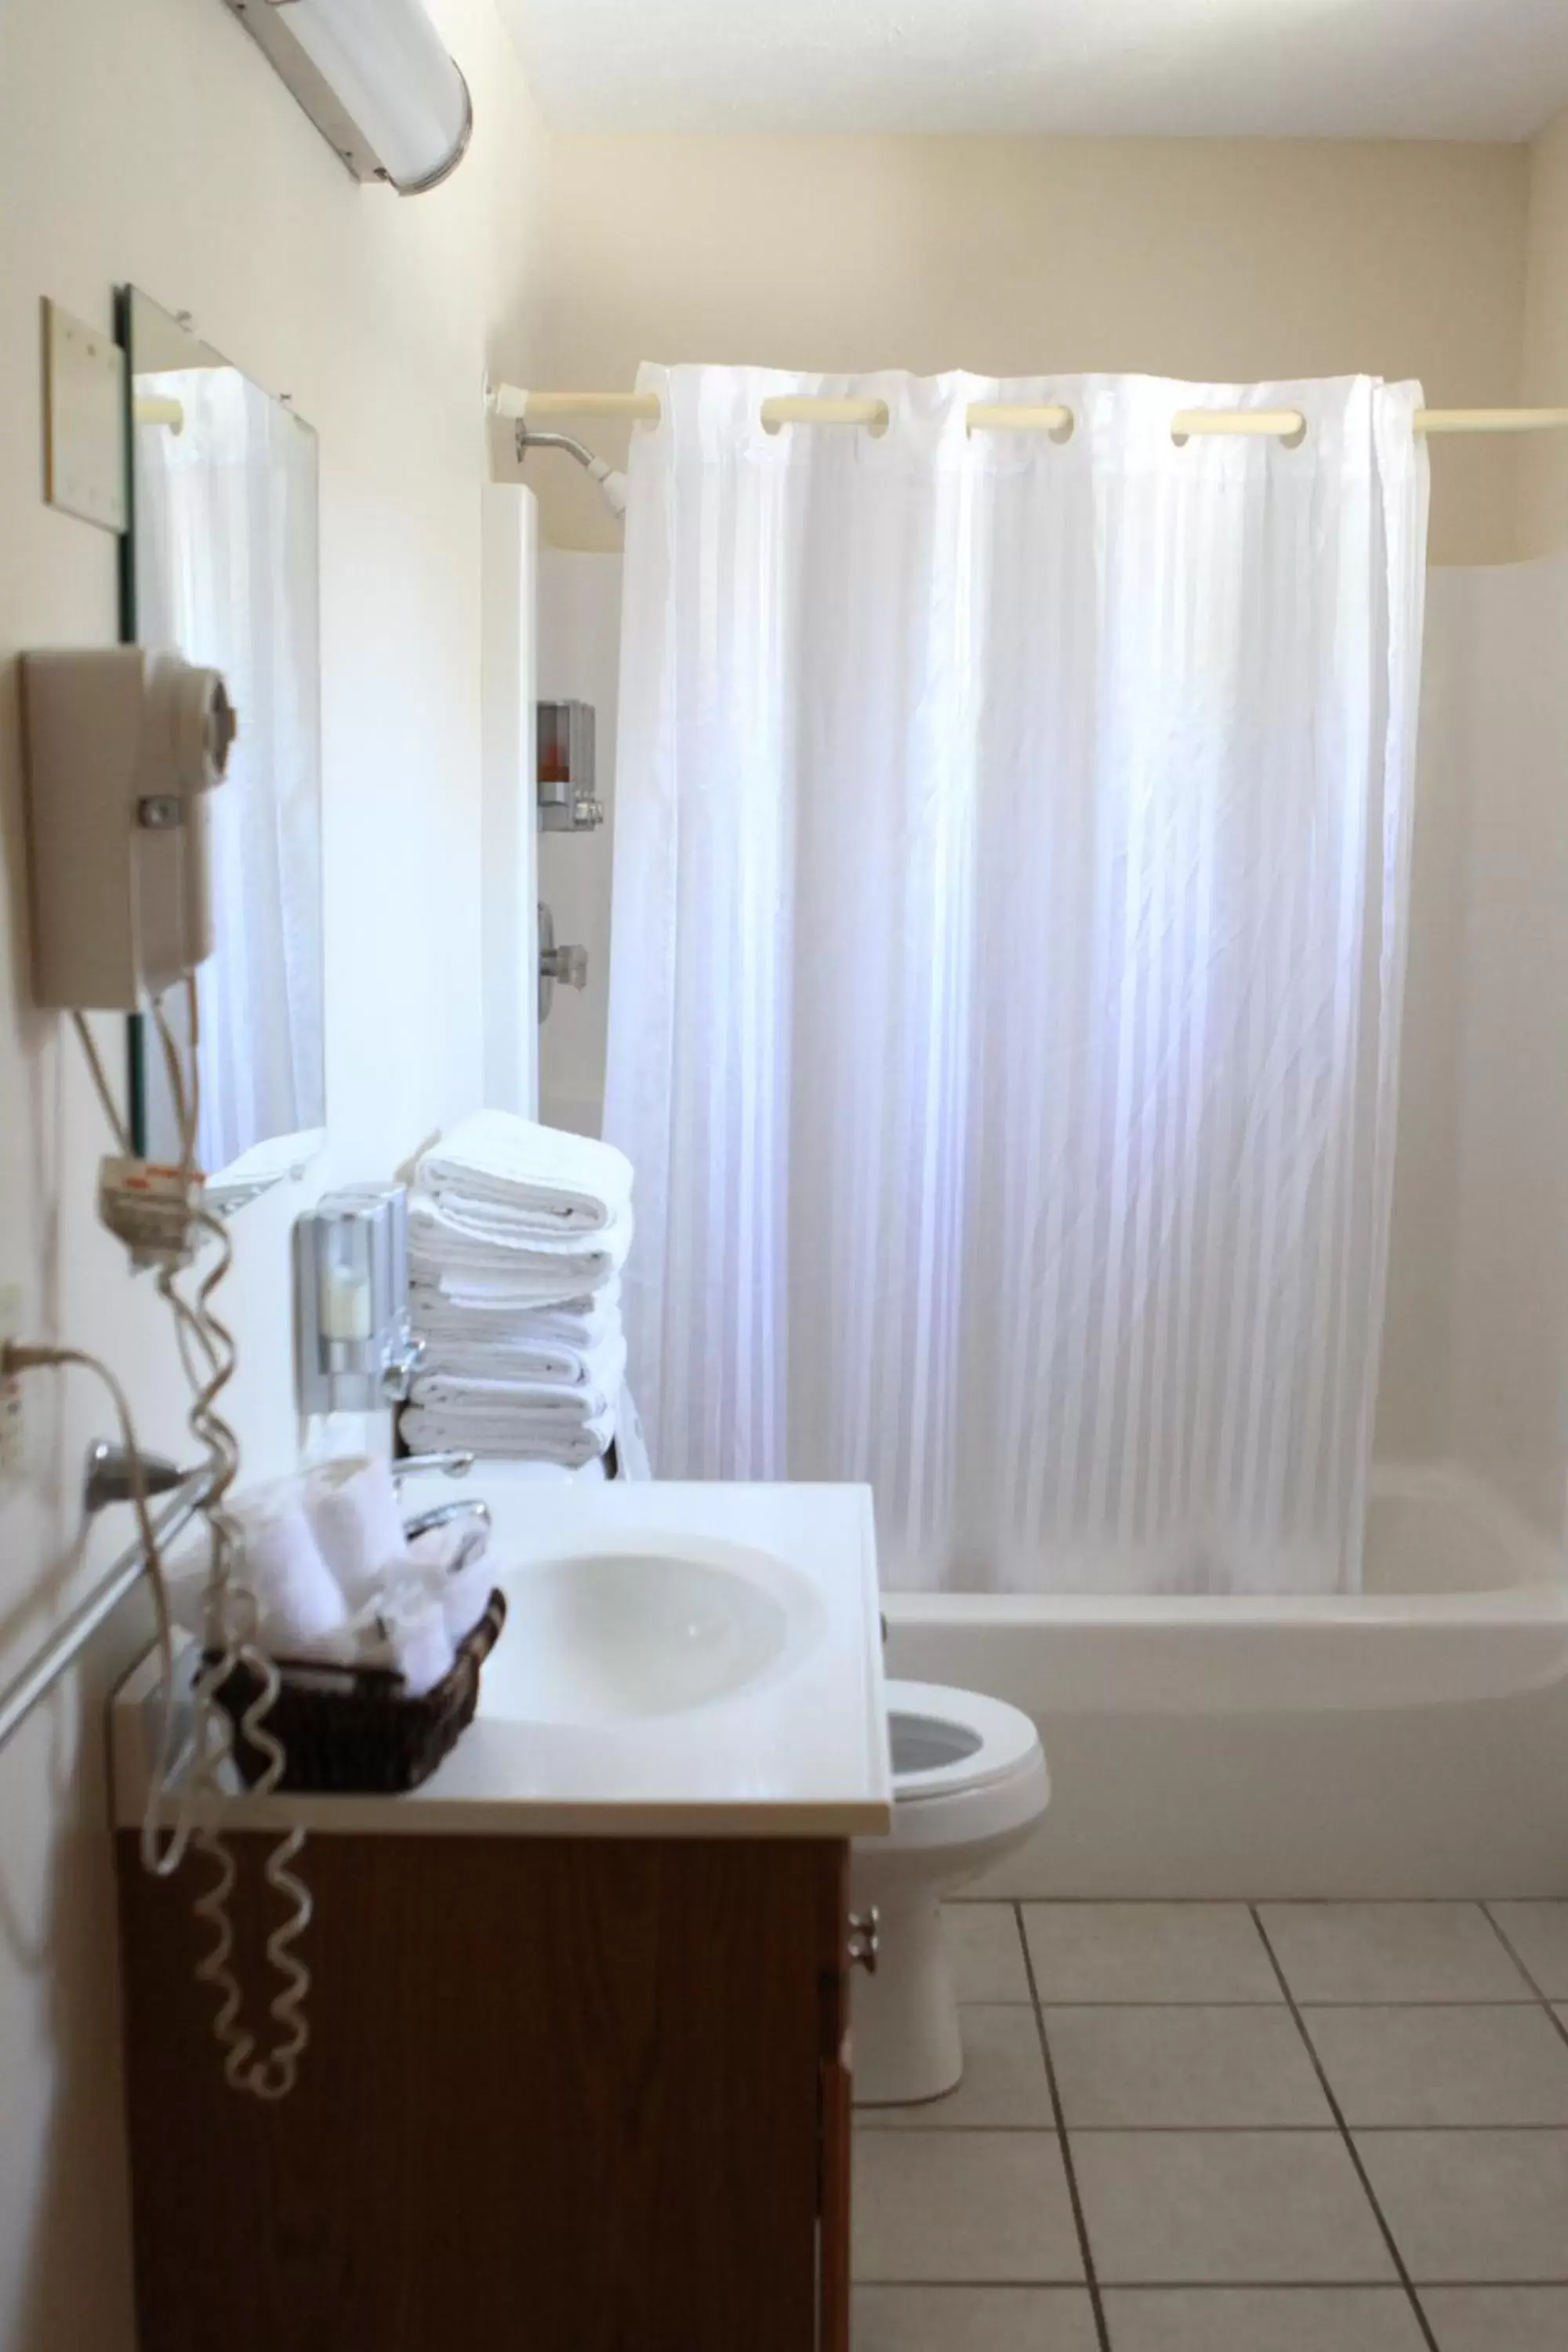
{"type": "Point", "coordinates": [337, 1581]}
{"type": "Point", "coordinates": [517, 1235]}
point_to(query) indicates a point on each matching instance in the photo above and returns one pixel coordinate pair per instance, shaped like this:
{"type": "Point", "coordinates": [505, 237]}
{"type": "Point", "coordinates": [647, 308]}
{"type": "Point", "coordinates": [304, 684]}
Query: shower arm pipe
{"type": "Point", "coordinates": [529, 438]}
{"type": "Point", "coordinates": [998, 417]}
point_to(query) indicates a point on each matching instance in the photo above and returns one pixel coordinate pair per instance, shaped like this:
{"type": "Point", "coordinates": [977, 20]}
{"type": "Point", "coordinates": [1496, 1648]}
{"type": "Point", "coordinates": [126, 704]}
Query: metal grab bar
{"type": "Point", "coordinates": [70, 1639]}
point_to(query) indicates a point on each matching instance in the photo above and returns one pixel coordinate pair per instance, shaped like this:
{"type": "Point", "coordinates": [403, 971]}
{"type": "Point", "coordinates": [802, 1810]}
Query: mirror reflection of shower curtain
{"type": "Point", "coordinates": [226, 524]}
{"type": "Point", "coordinates": [1011, 866]}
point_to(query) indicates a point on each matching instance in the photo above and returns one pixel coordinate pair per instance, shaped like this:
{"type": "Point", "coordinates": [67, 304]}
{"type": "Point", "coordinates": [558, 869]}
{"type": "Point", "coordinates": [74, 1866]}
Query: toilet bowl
{"type": "Point", "coordinates": [969, 1784]}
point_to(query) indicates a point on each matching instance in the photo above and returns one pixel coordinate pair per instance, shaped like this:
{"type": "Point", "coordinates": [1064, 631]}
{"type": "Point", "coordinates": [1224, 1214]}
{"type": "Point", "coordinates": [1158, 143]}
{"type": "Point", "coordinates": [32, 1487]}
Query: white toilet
{"type": "Point", "coordinates": [969, 1784]}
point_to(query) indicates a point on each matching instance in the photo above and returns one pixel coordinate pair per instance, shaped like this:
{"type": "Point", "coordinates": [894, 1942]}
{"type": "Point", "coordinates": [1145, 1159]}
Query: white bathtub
{"type": "Point", "coordinates": [1411, 1740]}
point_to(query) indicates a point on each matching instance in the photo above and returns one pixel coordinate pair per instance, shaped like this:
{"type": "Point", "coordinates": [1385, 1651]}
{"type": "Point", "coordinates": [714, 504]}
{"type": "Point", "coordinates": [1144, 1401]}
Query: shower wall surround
{"type": "Point", "coordinates": [579, 658]}
{"type": "Point", "coordinates": [1476, 1368]}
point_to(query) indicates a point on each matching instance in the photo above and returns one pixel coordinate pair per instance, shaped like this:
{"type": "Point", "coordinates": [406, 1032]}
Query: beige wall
{"type": "Point", "coordinates": [1208, 258]}
{"type": "Point", "coordinates": [1542, 482]}
{"type": "Point", "coordinates": [154, 144]}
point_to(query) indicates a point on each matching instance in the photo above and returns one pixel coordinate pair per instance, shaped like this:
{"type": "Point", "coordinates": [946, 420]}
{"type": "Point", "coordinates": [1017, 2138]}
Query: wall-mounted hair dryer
{"type": "Point", "coordinates": [123, 746]}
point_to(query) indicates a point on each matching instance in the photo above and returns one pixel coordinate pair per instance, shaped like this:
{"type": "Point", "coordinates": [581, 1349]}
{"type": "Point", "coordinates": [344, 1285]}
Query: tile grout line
{"type": "Point", "coordinates": [1080, 2223]}
{"type": "Point", "coordinates": [1224, 2131]}
{"type": "Point", "coordinates": [1544, 1998]}
{"type": "Point", "coordinates": [1526, 2000]}
{"type": "Point", "coordinates": [1422, 2322]}
{"type": "Point", "coordinates": [1231, 1902]}
{"type": "Point", "coordinates": [1303, 2287]}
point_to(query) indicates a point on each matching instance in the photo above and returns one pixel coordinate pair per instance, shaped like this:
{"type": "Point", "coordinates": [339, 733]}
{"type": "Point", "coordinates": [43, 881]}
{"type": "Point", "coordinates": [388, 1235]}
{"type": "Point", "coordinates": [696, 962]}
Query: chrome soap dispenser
{"type": "Point", "coordinates": [354, 1349]}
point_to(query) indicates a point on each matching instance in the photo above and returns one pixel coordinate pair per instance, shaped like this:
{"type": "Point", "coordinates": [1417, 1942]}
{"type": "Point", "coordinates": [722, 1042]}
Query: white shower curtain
{"type": "Point", "coordinates": [1012, 851]}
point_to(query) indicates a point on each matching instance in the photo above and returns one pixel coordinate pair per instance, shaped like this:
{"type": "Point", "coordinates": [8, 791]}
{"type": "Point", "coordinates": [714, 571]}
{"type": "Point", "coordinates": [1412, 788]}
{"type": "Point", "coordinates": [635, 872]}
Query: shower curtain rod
{"type": "Point", "coordinates": [509, 400]}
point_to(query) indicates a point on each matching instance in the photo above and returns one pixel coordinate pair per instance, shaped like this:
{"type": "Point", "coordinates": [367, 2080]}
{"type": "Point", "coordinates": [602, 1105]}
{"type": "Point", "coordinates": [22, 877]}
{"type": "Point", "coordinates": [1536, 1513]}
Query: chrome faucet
{"type": "Point", "coordinates": [447, 1515]}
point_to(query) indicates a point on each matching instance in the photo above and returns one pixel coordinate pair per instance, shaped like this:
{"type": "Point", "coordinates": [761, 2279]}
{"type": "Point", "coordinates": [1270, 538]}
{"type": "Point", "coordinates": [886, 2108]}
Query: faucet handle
{"type": "Point", "coordinates": [568, 964]}
{"type": "Point", "coordinates": [398, 1371]}
{"type": "Point", "coordinates": [453, 1465]}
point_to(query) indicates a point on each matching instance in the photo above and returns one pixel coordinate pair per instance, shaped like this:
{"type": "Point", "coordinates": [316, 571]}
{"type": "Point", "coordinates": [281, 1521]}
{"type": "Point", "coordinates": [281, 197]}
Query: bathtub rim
{"type": "Point", "coordinates": [1261, 1653]}
{"type": "Point", "coordinates": [1536, 1593]}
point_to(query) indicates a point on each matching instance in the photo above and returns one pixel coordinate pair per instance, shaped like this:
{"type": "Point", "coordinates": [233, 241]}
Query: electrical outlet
{"type": "Point", "coordinates": [12, 1392]}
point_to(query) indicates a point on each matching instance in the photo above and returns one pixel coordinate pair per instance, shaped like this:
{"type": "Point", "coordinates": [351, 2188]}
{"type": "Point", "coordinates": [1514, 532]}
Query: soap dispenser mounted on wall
{"type": "Point", "coordinates": [354, 1350]}
{"type": "Point", "coordinates": [567, 803]}
{"type": "Point", "coordinates": [565, 767]}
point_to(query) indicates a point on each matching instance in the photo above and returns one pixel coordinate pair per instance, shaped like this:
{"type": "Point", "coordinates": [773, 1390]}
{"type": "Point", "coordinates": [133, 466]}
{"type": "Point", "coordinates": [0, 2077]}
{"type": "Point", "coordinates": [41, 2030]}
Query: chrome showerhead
{"type": "Point", "coordinates": [612, 483]}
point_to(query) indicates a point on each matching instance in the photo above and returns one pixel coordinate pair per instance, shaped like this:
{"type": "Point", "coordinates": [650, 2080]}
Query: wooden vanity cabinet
{"type": "Point", "coordinates": [563, 2095]}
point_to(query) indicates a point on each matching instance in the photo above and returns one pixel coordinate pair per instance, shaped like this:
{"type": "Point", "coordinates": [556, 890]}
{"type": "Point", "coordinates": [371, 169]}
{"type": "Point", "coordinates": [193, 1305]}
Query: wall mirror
{"type": "Point", "coordinates": [221, 563]}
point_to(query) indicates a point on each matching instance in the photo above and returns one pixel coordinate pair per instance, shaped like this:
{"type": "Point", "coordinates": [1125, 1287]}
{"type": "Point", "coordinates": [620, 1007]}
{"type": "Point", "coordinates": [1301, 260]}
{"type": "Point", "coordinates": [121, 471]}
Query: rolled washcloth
{"type": "Point", "coordinates": [544, 1178]}
{"type": "Point", "coordinates": [509, 1433]}
{"type": "Point", "coordinates": [475, 1258]}
{"type": "Point", "coordinates": [300, 1608]}
{"type": "Point", "coordinates": [426, 1601]}
{"type": "Point", "coordinates": [408, 1634]}
{"type": "Point", "coordinates": [457, 1560]}
{"type": "Point", "coordinates": [357, 1521]}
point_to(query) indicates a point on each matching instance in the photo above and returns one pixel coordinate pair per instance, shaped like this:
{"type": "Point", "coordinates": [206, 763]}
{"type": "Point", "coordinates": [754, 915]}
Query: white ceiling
{"type": "Point", "coordinates": [1324, 68]}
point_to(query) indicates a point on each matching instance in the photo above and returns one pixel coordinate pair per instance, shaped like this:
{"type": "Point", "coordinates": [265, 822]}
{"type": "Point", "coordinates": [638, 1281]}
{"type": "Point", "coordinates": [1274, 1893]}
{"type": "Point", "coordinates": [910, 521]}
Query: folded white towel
{"type": "Point", "coordinates": [577, 1320]}
{"type": "Point", "coordinates": [569, 1323]}
{"type": "Point", "coordinates": [507, 1359]}
{"type": "Point", "coordinates": [565, 1329]}
{"type": "Point", "coordinates": [447, 1231]}
{"type": "Point", "coordinates": [517, 1293]}
{"type": "Point", "coordinates": [546, 1400]}
{"type": "Point", "coordinates": [556, 1180]}
{"type": "Point", "coordinates": [456, 1375]}
{"type": "Point", "coordinates": [357, 1520]}
{"type": "Point", "coordinates": [508, 1436]}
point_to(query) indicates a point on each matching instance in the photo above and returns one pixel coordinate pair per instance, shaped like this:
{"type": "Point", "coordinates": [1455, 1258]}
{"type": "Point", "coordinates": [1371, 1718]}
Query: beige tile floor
{"type": "Point", "coordinates": [1223, 2128]}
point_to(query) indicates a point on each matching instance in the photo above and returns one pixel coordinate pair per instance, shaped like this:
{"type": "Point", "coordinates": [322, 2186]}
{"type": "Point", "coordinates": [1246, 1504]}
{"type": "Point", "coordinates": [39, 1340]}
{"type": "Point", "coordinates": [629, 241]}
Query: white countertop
{"type": "Point", "coordinates": [801, 1752]}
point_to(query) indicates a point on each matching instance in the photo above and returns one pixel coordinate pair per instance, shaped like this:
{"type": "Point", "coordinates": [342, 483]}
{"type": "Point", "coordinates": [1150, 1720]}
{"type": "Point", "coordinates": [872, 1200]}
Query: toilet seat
{"type": "Point", "coordinates": [988, 1740]}
{"type": "Point", "coordinates": [993, 1782]}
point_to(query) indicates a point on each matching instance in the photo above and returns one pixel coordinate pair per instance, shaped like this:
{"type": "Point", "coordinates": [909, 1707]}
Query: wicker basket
{"type": "Point", "coordinates": [355, 1730]}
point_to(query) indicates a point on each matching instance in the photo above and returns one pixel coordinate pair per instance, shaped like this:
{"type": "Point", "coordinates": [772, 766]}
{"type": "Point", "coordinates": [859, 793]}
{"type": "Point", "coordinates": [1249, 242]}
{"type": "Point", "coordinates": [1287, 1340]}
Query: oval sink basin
{"type": "Point", "coordinates": [615, 1637]}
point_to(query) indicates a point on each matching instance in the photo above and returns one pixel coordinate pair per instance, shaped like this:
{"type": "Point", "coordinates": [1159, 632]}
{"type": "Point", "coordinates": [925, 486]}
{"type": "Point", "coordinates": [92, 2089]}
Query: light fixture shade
{"type": "Point", "coordinates": [374, 77]}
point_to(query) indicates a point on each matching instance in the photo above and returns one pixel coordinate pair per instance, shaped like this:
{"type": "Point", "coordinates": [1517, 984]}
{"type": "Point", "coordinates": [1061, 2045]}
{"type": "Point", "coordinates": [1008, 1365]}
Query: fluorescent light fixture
{"type": "Point", "coordinates": [376, 81]}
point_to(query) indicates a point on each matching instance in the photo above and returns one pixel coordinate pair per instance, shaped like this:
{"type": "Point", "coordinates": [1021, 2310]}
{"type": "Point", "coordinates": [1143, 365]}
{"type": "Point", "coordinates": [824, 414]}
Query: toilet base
{"type": "Point", "coordinates": [969, 1785]}
{"type": "Point", "coordinates": [905, 2017]}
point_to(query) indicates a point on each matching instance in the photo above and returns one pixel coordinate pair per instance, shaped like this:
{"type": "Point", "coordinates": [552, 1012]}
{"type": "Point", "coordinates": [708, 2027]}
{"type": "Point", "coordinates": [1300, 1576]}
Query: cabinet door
{"type": "Point", "coordinates": [835, 2079]}
{"type": "Point", "coordinates": [562, 2095]}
